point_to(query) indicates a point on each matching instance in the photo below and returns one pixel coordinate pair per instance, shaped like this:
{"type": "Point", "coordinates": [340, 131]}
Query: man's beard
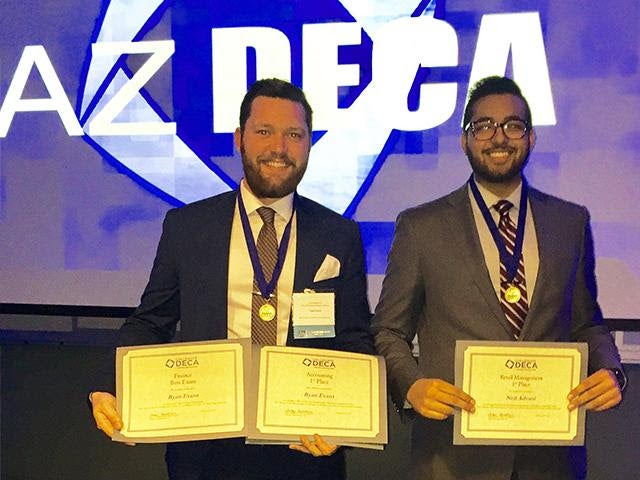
{"type": "Point", "coordinates": [263, 187]}
{"type": "Point", "coordinates": [483, 172]}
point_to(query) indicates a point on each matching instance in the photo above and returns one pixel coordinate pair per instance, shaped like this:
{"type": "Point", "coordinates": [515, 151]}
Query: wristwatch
{"type": "Point", "coordinates": [620, 377]}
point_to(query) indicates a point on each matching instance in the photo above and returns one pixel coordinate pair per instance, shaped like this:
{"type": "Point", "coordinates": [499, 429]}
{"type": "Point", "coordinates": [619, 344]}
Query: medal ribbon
{"type": "Point", "coordinates": [266, 289]}
{"type": "Point", "coordinates": [509, 261]}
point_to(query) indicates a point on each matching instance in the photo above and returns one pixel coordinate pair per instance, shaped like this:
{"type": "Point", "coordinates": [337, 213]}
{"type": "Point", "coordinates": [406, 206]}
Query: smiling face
{"type": "Point", "coordinates": [498, 162]}
{"type": "Point", "coordinates": [274, 145]}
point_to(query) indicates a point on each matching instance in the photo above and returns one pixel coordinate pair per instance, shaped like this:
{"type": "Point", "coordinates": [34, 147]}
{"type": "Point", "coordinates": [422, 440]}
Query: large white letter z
{"type": "Point", "coordinates": [103, 121]}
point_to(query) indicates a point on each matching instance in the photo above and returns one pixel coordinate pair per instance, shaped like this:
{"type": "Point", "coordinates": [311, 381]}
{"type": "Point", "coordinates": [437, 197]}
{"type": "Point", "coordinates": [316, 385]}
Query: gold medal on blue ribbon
{"type": "Point", "coordinates": [511, 261]}
{"type": "Point", "coordinates": [512, 294]}
{"type": "Point", "coordinates": [267, 312]}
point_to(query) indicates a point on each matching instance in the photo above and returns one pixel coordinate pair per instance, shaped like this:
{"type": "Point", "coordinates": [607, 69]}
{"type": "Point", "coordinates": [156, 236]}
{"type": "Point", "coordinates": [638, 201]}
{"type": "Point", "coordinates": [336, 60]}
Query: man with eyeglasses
{"type": "Point", "coordinates": [493, 260]}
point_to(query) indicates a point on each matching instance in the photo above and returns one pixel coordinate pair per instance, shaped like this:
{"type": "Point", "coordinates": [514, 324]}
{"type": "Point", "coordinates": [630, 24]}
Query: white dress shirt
{"type": "Point", "coordinates": [489, 248]}
{"type": "Point", "coordinates": [240, 285]}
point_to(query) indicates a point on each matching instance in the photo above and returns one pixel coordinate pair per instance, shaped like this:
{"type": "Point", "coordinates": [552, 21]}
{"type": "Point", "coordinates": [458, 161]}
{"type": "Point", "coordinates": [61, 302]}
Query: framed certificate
{"type": "Point", "coordinates": [301, 391]}
{"type": "Point", "coordinates": [182, 391]}
{"type": "Point", "coordinates": [520, 389]}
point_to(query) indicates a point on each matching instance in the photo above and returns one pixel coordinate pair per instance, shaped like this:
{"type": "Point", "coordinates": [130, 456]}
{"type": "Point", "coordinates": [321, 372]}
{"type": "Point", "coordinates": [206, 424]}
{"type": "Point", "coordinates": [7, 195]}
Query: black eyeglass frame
{"type": "Point", "coordinates": [495, 125]}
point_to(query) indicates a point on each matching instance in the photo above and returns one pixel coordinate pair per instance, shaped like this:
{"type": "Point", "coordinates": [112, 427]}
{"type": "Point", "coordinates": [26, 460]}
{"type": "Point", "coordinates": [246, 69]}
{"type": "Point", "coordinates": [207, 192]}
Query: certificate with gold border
{"type": "Point", "coordinates": [182, 391]}
{"type": "Point", "coordinates": [301, 391]}
{"type": "Point", "coordinates": [520, 389]}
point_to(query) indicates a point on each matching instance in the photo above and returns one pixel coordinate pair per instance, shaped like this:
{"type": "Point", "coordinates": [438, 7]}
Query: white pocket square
{"type": "Point", "coordinates": [330, 268]}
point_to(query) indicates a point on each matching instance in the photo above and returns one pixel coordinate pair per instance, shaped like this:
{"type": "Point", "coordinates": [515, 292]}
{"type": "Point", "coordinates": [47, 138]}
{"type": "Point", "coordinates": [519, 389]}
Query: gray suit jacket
{"type": "Point", "coordinates": [437, 286]}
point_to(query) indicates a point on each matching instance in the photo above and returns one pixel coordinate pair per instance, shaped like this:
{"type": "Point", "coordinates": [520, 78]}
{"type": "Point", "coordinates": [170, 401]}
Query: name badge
{"type": "Point", "coordinates": [313, 314]}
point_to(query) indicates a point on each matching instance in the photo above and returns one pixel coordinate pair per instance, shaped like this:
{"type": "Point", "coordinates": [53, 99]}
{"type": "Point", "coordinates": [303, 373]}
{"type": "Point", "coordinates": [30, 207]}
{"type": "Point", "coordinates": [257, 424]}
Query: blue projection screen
{"type": "Point", "coordinates": [113, 112]}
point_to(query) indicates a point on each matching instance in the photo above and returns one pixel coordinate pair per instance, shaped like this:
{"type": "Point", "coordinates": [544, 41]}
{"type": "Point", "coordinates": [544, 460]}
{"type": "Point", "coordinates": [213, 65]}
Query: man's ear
{"type": "Point", "coordinates": [532, 138]}
{"type": "Point", "coordinates": [237, 138]}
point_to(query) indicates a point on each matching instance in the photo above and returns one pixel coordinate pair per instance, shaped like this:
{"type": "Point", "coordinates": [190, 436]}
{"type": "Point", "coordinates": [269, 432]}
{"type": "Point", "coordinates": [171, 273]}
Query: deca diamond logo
{"type": "Point", "coordinates": [168, 122]}
{"type": "Point", "coordinates": [318, 362]}
{"type": "Point", "coordinates": [521, 364]}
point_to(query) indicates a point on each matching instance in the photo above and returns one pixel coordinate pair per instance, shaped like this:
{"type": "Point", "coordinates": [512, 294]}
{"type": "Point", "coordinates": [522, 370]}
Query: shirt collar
{"type": "Point", "coordinates": [490, 199]}
{"type": "Point", "coordinates": [283, 206]}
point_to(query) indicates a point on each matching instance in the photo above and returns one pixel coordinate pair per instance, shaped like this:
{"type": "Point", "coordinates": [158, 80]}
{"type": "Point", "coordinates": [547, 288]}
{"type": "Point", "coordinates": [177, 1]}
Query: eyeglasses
{"type": "Point", "coordinates": [486, 129]}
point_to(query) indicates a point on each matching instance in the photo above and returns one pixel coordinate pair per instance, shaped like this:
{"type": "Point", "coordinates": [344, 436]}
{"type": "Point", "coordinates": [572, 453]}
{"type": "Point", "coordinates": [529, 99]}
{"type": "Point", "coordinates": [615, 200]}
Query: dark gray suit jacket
{"type": "Point", "coordinates": [188, 283]}
{"type": "Point", "coordinates": [437, 286]}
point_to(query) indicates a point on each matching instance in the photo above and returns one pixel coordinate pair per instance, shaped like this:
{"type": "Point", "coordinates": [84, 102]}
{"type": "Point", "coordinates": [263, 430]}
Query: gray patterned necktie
{"type": "Point", "coordinates": [263, 332]}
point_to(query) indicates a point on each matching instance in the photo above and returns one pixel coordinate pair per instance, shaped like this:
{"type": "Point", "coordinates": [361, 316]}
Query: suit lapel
{"type": "Point", "coordinates": [543, 219]}
{"type": "Point", "coordinates": [467, 244]}
{"type": "Point", "coordinates": [309, 236]}
{"type": "Point", "coordinates": [218, 242]}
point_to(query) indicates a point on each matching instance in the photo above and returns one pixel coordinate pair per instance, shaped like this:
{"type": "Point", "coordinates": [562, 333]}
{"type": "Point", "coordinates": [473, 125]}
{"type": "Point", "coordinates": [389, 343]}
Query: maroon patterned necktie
{"type": "Point", "coordinates": [513, 294]}
{"type": "Point", "coordinates": [264, 325]}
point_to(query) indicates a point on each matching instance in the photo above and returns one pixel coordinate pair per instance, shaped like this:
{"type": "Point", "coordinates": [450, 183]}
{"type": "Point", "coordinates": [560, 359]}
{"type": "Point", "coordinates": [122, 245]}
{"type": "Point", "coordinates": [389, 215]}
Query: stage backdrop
{"type": "Point", "coordinates": [113, 112]}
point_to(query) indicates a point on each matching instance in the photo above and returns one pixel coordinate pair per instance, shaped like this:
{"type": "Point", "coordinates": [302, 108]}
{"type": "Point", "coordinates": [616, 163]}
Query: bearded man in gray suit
{"type": "Point", "coordinates": [444, 283]}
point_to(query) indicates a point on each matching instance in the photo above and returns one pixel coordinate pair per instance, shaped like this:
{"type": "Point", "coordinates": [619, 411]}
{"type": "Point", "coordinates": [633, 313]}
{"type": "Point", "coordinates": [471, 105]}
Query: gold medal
{"type": "Point", "coordinates": [512, 294]}
{"type": "Point", "coordinates": [267, 312]}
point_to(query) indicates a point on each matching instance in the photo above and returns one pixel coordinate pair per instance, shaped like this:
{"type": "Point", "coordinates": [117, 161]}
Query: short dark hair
{"type": "Point", "coordinates": [274, 88]}
{"type": "Point", "coordinates": [493, 86]}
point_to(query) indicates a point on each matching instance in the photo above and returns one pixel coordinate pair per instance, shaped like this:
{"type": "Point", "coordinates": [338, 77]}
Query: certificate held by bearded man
{"type": "Point", "coordinates": [301, 391]}
{"type": "Point", "coordinates": [182, 391]}
{"type": "Point", "coordinates": [520, 389]}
